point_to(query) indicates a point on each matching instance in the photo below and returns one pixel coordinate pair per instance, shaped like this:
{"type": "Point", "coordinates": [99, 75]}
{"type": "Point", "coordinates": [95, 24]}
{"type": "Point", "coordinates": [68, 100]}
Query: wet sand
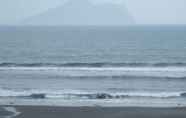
{"type": "Point", "coordinates": [3, 112]}
{"type": "Point", "coordinates": [97, 112]}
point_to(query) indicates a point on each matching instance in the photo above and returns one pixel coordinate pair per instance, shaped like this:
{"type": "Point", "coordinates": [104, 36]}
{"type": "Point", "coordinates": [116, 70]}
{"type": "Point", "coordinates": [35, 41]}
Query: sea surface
{"type": "Point", "coordinates": [83, 66]}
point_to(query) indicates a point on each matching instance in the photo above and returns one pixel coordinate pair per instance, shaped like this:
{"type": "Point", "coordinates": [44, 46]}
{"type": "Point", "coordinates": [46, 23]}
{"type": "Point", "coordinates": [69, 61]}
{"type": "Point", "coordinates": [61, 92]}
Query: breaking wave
{"type": "Point", "coordinates": [104, 64]}
{"type": "Point", "coordinates": [86, 95]}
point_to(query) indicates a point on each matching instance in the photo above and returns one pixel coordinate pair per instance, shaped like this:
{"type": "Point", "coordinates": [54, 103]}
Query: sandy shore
{"type": "Point", "coordinates": [96, 112]}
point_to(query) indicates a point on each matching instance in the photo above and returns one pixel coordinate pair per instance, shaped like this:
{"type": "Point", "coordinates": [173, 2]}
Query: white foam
{"type": "Point", "coordinates": [104, 103]}
{"type": "Point", "coordinates": [98, 68]}
{"type": "Point", "coordinates": [54, 94]}
{"type": "Point", "coordinates": [152, 94]}
{"type": "Point", "coordinates": [12, 110]}
{"type": "Point", "coordinates": [108, 71]}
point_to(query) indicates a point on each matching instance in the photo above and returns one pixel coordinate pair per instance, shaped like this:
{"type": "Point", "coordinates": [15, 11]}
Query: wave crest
{"type": "Point", "coordinates": [87, 95]}
{"type": "Point", "coordinates": [97, 64]}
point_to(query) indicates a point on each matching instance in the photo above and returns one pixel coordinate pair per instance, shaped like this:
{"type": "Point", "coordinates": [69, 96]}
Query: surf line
{"type": "Point", "coordinates": [12, 110]}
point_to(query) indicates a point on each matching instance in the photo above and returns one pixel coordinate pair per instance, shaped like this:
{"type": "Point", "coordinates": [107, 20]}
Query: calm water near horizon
{"type": "Point", "coordinates": [110, 66]}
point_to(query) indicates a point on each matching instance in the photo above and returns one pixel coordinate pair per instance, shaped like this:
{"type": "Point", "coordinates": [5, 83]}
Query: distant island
{"type": "Point", "coordinates": [82, 12]}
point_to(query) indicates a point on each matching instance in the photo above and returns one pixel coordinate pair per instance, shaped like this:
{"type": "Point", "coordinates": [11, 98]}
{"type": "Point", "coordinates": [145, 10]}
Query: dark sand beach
{"type": "Point", "coordinates": [97, 112]}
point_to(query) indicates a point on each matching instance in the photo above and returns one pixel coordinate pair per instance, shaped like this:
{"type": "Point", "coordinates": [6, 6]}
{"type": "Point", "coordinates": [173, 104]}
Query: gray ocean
{"type": "Point", "coordinates": [109, 66]}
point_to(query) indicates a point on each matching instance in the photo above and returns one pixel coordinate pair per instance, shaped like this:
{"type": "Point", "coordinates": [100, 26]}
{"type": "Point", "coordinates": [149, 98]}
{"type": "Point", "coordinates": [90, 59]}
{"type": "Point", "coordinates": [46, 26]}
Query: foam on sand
{"type": "Point", "coordinates": [11, 110]}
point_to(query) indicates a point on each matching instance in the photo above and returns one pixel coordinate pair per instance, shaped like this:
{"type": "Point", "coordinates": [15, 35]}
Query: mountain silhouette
{"type": "Point", "coordinates": [83, 12]}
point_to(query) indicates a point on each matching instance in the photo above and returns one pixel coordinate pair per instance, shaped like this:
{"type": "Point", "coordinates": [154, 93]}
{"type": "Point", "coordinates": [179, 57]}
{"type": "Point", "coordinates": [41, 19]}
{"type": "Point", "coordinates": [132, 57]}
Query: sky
{"type": "Point", "coordinates": [158, 11]}
{"type": "Point", "coordinates": [12, 11]}
{"type": "Point", "coordinates": [143, 11]}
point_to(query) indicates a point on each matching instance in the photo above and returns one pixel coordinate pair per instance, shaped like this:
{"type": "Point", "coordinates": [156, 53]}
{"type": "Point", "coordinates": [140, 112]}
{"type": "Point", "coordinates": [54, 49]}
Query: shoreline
{"type": "Point", "coordinates": [93, 112]}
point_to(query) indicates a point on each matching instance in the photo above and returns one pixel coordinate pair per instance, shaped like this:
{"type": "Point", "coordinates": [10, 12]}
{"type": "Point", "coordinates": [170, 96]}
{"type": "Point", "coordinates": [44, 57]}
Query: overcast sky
{"type": "Point", "coordinates": [144, 11]}
{"type": "Point", "coordinates": [158, 11]}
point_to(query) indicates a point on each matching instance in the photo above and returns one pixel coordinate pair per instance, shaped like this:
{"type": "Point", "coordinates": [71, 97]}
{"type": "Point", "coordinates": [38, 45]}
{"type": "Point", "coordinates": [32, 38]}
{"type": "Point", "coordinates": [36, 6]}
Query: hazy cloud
{"type": "Point", "coordinates": [12, 11]}
{"type": "Point", "coordinates": [158, 11]}
{"type": "Point", "coordinates": [144, 11]}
